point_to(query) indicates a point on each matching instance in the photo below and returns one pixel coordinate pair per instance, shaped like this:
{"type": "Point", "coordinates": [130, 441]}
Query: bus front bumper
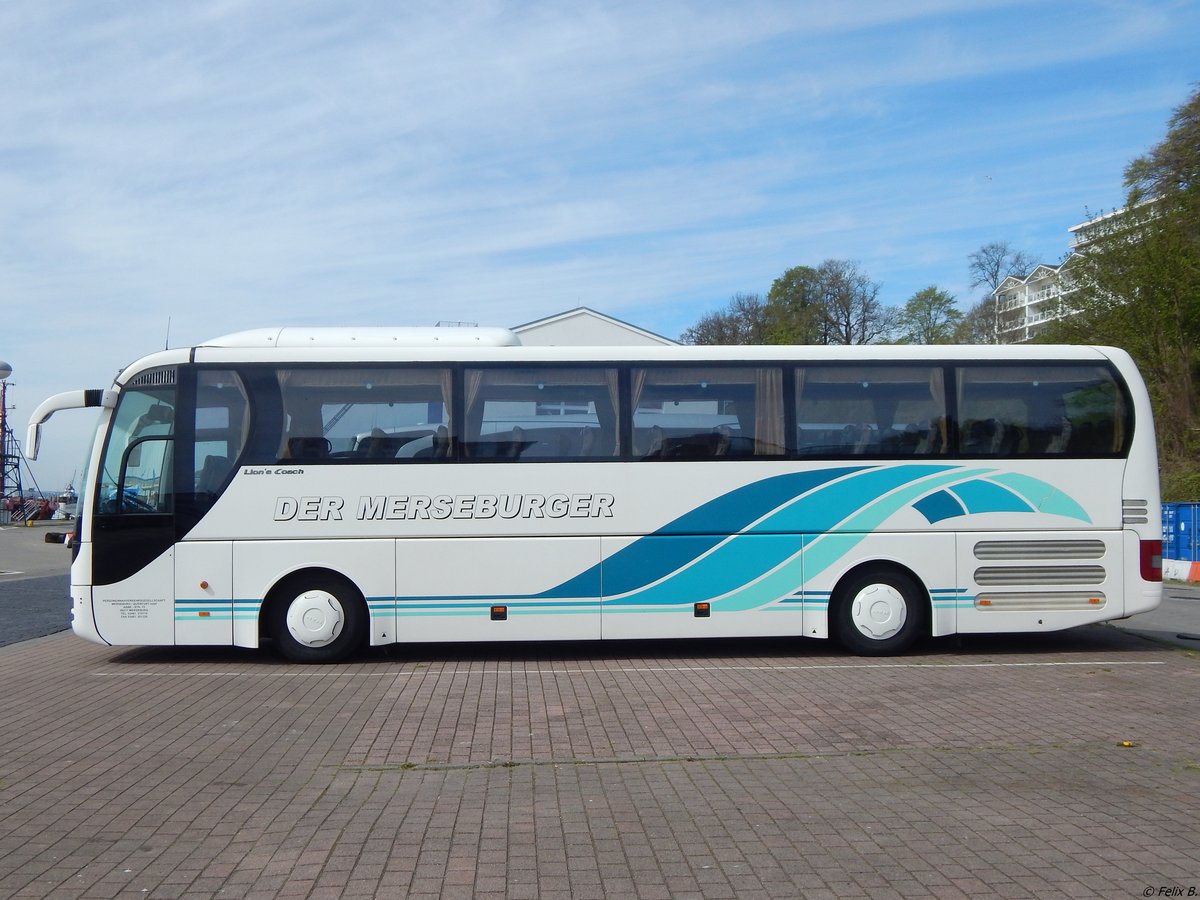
{"type": "Point", "coordinates": [83, 621]}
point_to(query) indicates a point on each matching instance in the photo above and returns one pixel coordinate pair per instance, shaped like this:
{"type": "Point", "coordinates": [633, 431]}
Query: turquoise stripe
{"type": "Point", "coordinates": [982, 496]}
{"type": "Point", "coordinates": [1044, 497]}
{"type": "Point", "coordinates": [458, 610]}
{"type": "Point", "coordinates": [189, 609]}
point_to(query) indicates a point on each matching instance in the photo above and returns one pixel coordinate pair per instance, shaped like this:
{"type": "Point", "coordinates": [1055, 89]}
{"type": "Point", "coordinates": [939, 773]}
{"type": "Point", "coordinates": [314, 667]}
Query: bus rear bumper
{"type": "Point", "coordinates": [1147, 597]}
{"type": "Point", "coordinates": [83, 621]}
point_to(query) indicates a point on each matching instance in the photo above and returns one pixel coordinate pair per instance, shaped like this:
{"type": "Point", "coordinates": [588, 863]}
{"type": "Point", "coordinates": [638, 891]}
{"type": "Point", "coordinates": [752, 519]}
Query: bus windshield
{"type": "Point", "coordinates": [135, 472]}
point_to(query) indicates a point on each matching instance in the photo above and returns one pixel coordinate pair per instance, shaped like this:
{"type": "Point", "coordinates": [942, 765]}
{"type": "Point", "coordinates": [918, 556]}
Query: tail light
{"type": "Point", "coordinates": [1151, 560]}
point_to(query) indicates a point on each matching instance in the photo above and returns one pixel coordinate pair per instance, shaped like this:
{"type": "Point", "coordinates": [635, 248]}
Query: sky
{"type": "Point", "coordinates": [171, 172]}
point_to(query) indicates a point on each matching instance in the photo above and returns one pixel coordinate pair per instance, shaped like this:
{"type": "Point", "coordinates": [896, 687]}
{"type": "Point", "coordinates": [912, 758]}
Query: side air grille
{"type": "Point", "coordinates": [1039, 550]}
{"type": "Point", "coordinates": [1135, 512]}
{"type": "Point", "coordinates": [1038, 575]}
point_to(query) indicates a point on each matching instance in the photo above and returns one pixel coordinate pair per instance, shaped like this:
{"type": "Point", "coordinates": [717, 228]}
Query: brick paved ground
{"type": "Point", "coordinates": [729, 769]}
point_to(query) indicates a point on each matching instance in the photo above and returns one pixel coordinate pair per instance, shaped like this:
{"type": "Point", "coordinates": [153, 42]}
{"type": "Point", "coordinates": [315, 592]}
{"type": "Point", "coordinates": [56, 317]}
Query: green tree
{"type": "Point", "coordinates": [929, 316]}
{"type": "Point", "coordinates": [793, 307]}
{"type": "Point", "coordinates": [1172, 168]}
{"type": "Point", "coordinates": [978, 325]}
{"type": "Point", "coordinates": [835, 303]}
{"type": "Point", "coordinates": [744, 320]}
{"type": "Point", "coordinates": [1137, 286]}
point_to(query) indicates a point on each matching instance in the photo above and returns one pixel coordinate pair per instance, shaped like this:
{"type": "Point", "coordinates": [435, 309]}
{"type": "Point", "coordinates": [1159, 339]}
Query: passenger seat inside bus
{"type": "Point", "coordinates": [213, 474]}
{"type": "Point", "coordinates": [307, 448]}
{"type": "Point", "coordinates": [441, 443]}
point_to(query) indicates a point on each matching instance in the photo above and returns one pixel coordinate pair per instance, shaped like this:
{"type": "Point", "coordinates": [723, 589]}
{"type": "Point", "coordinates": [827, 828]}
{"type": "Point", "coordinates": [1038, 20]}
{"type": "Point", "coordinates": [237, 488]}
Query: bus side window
{"type": "Point", "coordinates": [878, 410]}
{"type": "Point", "coordinates": [351, 414]}
{"type": "Point", "coordinates": [541, 414]}
{"type": "Point", "coordinates": [708, 412]}
{"type": "Point", "coordinates": [1044, 410]}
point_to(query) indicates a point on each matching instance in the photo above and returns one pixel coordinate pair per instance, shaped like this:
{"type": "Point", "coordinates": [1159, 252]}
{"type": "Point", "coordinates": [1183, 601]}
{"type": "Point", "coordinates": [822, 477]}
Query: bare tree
{"type": "Point", "coordinates": [743, 321]}
{"type": "Point", "coordinates": [992, 263]}
{"type": "Point", "coordinates": [849, 305]}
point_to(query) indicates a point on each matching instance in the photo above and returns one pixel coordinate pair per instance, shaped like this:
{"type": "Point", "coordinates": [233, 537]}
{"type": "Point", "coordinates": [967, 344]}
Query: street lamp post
{"type": "Point", "coordinates": [5, 371]}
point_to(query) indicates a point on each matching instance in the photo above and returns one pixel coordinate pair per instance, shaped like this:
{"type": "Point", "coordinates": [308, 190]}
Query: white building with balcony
{"type": "Point", "coordinates": [1025, 304]}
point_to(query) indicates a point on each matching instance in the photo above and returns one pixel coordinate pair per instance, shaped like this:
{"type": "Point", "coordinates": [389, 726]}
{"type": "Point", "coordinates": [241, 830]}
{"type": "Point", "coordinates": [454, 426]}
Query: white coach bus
{"type": "Point", "coordinates": [332, 488]}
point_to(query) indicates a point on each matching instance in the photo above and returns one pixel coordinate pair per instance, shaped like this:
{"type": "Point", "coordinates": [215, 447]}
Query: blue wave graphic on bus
{"type": "Point", "coordinates": [1001, 492]}
{"type": "Point", "coordinates": [743, 550]}
{"type": "Point", "coordinates": [694, 534]}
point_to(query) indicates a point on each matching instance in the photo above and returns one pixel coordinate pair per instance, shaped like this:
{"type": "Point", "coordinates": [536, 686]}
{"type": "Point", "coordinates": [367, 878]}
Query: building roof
{"type": "Point", "coordinates": [1041, 270]}
{"type": "Point", "coordinates": [585, 325]}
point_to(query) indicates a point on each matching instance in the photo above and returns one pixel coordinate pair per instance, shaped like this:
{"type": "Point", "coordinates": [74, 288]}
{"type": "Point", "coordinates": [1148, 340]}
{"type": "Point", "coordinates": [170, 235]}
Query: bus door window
{"type": "Point", "coordinates": [222, 427]}
{"type": "Point", "coordinates": [355, 414]}
{"type": "Point", "coordinates": [135, 472]}
{"type": "Point", "coordinates": [541, 413]}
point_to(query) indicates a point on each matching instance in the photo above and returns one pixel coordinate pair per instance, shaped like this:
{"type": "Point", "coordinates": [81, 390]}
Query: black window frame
{"type": "Point", "coordinates": [261, 383]}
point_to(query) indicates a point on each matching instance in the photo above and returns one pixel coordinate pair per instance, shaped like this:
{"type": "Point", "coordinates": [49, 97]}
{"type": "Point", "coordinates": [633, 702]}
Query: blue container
{"type": "Point", "coordinates": [1181, 531]}
{"type": "Point", "coordinates": [1169, 515]}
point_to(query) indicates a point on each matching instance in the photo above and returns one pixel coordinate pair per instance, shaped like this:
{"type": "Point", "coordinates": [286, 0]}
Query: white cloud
{"type": "Point", "coordinates": [233, 164]}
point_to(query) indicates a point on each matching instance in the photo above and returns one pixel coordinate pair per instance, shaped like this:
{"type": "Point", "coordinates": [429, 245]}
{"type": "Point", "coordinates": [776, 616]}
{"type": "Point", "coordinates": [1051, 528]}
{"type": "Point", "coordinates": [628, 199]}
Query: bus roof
{"type": "Point", "coordinates": [374, 337]}
{"type": "Point", "coordinates": [434, 346]}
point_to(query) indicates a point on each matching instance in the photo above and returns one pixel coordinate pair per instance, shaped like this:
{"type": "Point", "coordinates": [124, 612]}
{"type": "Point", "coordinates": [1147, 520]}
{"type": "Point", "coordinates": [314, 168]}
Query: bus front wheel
{"type": "Point", "coordinates": [320, 619]}
{"type": "Point", "coordinates": [879, 612]}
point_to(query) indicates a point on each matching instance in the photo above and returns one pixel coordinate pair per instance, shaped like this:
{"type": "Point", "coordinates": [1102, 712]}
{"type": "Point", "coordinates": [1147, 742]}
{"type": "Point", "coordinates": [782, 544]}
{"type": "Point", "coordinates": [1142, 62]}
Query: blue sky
{"type": "Point", "coordinates": [234, 164]}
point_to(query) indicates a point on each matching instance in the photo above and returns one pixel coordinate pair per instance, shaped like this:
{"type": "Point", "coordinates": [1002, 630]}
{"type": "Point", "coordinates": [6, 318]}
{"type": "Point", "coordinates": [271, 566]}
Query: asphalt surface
{"type": "Point", "coordinates": [34, 607]}
{"type": "Point", "coordinates": [1176, 621]}
{"type": "Point", "coordinates": [34, 582]}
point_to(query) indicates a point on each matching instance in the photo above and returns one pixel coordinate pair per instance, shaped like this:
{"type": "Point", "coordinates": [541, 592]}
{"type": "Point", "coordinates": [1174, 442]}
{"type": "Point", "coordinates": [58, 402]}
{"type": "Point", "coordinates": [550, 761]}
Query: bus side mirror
{"type": "Point", "coordinates": [65, 400]}
{"type": "Point", "coordinates": [33, 437]}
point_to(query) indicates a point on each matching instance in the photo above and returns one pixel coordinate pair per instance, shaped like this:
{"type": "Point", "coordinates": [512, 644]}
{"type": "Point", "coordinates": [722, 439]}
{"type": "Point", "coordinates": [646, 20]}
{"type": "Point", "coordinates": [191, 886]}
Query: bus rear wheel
{"type": "Point", "coordinates": [319, 619]}
{"type": "Point", "coordinates": [879, 612]}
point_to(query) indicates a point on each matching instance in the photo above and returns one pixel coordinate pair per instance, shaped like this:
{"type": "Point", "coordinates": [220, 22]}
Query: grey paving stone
{"type": "Point", "coordinates": [1002, 767]}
